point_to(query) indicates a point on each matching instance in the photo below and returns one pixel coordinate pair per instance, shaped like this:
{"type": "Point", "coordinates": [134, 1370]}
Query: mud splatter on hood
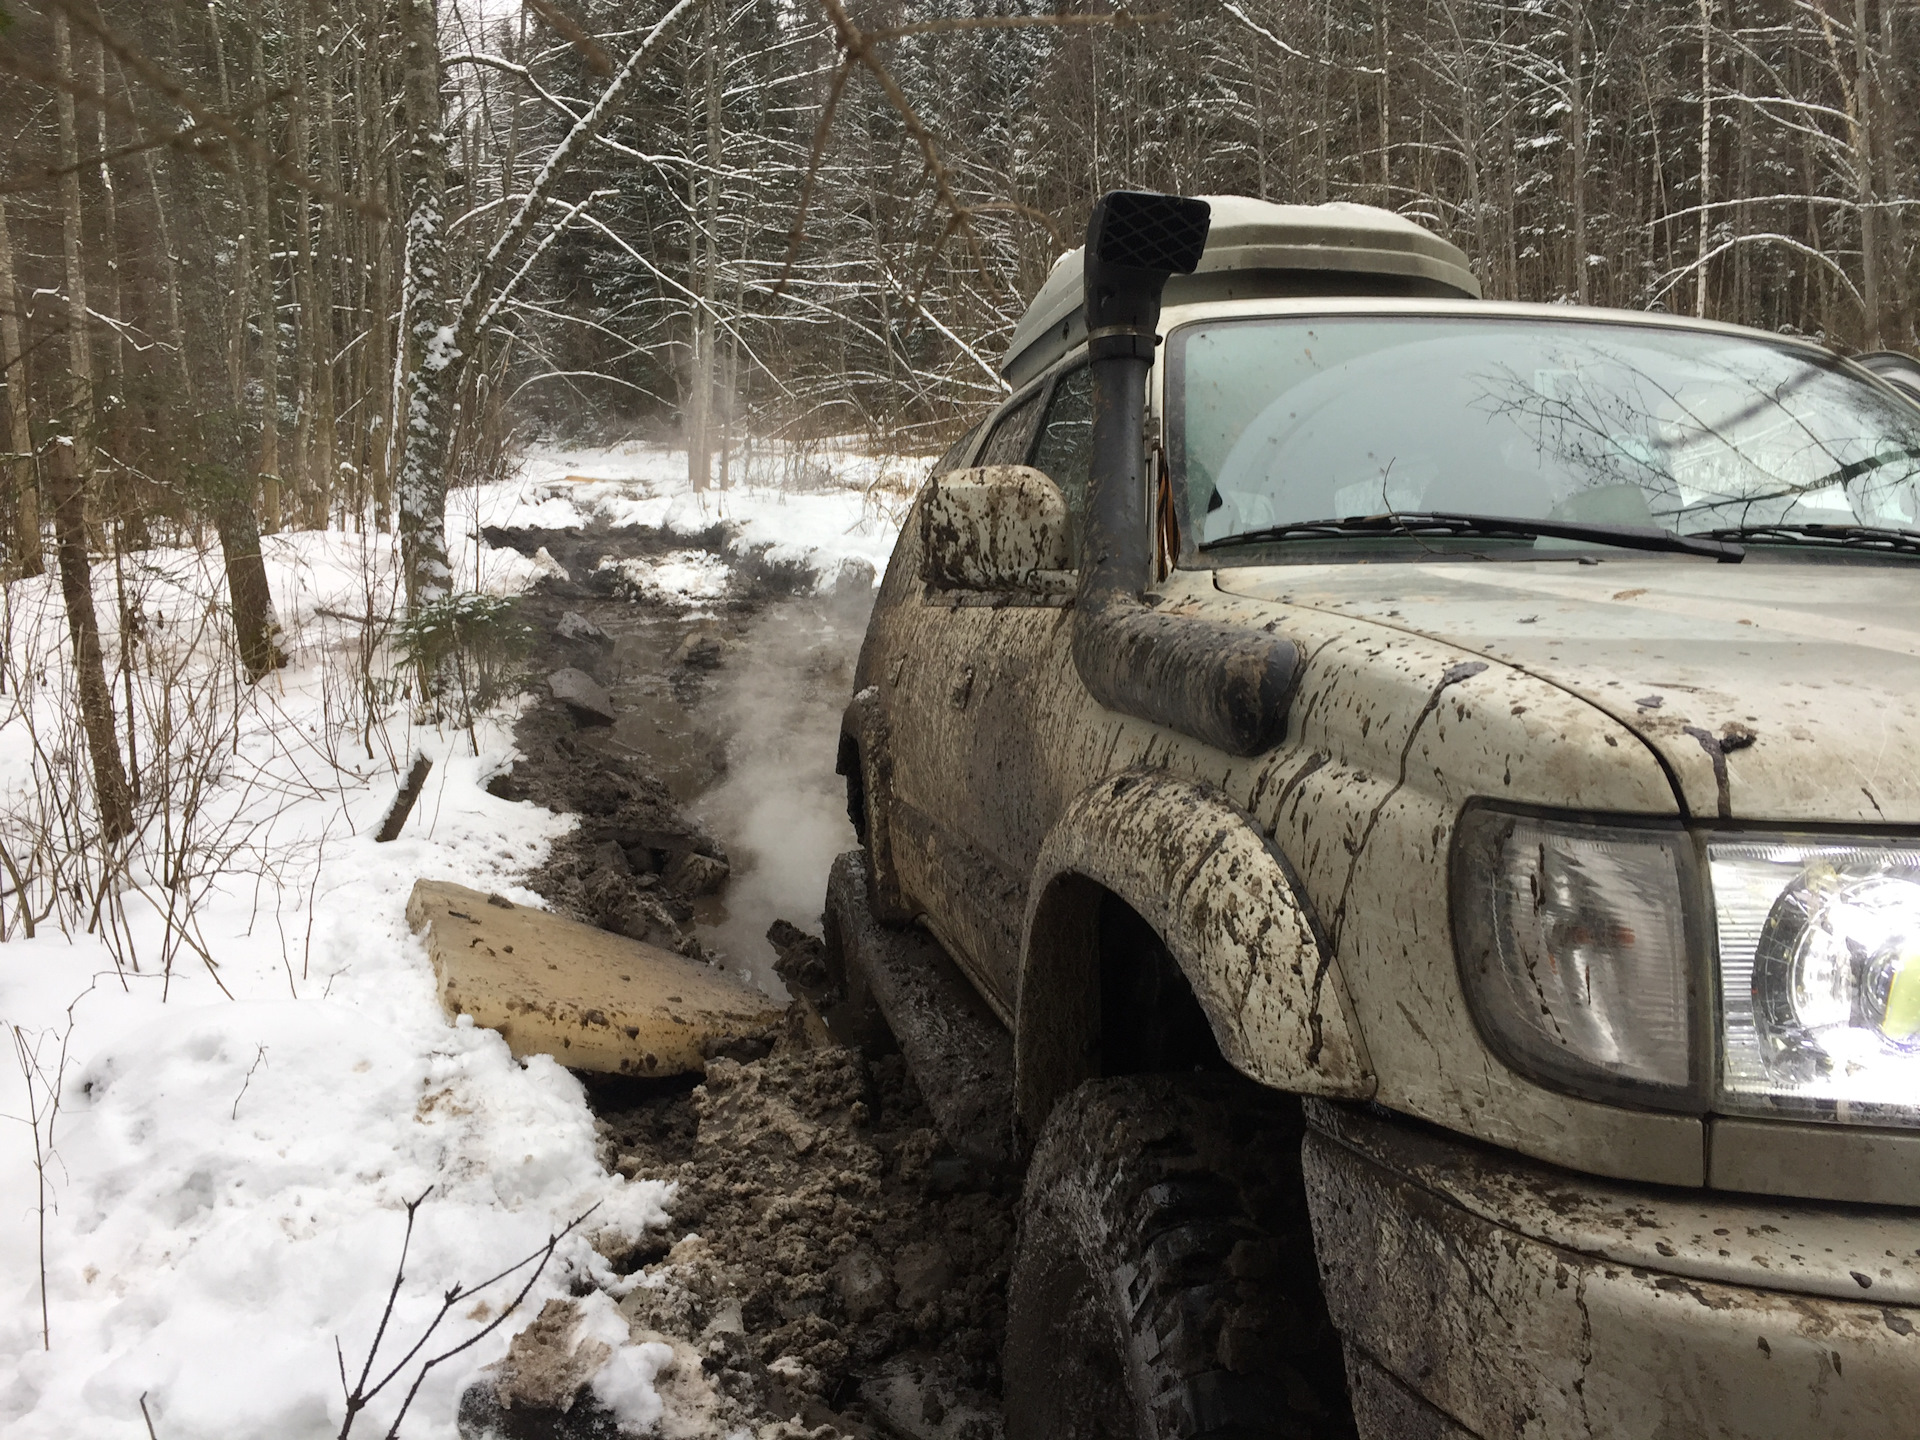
{"type": "Point", "coordinates": [1785, 692]}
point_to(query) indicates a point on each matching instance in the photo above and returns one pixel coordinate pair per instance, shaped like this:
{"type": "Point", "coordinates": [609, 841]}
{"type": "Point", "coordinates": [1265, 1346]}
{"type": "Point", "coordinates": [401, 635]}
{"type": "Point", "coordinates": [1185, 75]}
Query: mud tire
{"type": "Point", "coordinates": [1164, 1285]}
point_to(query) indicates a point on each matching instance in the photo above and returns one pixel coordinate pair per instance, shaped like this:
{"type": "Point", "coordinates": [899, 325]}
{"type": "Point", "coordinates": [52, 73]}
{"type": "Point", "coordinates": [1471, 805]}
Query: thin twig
{"type": "Point", "coordinates": [259, 1058]}
{"type": "Point", "coordinates": [362, 1394]}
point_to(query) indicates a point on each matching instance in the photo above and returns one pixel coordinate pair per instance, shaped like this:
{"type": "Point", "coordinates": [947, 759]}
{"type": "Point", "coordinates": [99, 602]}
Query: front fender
{"type": "Point", "coordinates": [1198, 870]}
{"type": "Point", "coordinates": [866, 756]}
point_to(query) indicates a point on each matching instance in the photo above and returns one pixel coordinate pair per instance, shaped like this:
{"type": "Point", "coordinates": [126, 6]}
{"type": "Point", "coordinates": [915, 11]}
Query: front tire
{"type": "Point", "coordinates": [1164, 1285]}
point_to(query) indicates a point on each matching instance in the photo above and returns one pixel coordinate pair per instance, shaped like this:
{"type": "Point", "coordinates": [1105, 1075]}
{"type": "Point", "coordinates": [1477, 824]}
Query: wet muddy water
{"type": "Point", "coordinates": [733, 704]}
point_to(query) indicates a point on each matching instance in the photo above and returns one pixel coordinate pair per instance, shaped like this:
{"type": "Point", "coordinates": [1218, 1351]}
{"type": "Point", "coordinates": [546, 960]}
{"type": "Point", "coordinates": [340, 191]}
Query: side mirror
{"type": "Point", "coordinates": [998, 527]}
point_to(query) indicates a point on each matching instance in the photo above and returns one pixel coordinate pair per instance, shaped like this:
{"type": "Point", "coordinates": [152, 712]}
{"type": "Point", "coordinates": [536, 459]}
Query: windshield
{"type": "Point", "coordinates": [1273, 421]}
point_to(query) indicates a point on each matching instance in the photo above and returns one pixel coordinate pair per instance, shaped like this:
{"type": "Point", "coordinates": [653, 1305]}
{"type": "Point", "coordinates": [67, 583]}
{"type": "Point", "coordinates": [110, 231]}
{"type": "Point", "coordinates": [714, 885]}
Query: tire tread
{"type": "Point", "coordinates": [1182, 1196]}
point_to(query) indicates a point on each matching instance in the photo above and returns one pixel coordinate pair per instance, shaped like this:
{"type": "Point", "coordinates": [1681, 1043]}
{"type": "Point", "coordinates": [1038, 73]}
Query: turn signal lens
{"type": "Point", "coordinates": [1572, 943]}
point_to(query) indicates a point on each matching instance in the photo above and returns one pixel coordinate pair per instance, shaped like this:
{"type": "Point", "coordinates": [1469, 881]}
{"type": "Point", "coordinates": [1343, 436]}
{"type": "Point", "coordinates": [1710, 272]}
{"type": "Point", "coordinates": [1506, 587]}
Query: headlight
{"type": "Point", "coordinates": [1819, 980]}
{"type": "Point", "coordinates": [1573, 948]}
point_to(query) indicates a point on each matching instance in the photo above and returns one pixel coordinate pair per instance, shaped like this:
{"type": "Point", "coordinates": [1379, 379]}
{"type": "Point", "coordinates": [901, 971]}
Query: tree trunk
{"type": "Point", "coordinates": [269, 308]}
{"type": "Point", "coordinates": [1884, 71]}
{"type": "Point", "coordinates": [310, 485]}
{"type": "Point", "coordinates": [76, 588]}
{"type": "Point", "coordinates": [1383, 107]}
{"type": "Point", "coordinates": [1863, 166]}
{"type": "Point", "coordinates": [441, 337]}
{"type": "Point", "coordinates": [698, 420]}
{"type": "Point", "coordinates": [27, 553]}
{"type": "Point", "coordinates": [256, 629]}
{"type": "Point", "coordinates": [1706, 156]}
{"type": "Point", "coordinates": [1577, 123]}
{"type": "Point", "coordinates": [427, 332]}
{"type": "Point", "coordinates": [110, 220]}
{"type": "Point", "coordinates": [129, 507]}
{"type": "Point", "coordinates": [79, 418]}
{"type": "Point", "coordinates": [326, 463]}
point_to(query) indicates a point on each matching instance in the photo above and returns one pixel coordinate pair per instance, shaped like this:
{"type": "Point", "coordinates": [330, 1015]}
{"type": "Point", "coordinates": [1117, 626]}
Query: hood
{"type": "Point", "coordinates": [1782, 692]}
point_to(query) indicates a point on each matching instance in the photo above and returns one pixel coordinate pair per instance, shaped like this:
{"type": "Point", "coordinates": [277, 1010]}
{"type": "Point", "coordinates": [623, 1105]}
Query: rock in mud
{"type": "Point", "coordinates": [584, 696]}
{"type": "Point", "coordinates": [702, 650]}
{"type": "Point", "coordinates": [854, 579]}
{"type": "Point", "coordinates": [696, 874]}
{"type": "Point", "coordinates": [575, 626]}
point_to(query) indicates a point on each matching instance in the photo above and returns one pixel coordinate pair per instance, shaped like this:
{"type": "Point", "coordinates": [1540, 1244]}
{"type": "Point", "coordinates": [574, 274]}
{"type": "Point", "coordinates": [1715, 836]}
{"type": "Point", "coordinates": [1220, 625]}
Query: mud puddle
{"type": "Point", "coordinates": [832, 1267]}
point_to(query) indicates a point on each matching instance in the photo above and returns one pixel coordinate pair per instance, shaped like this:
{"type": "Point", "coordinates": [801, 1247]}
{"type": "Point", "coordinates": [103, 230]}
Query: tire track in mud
{"type": "Point", "coordinates": [831, 1263]}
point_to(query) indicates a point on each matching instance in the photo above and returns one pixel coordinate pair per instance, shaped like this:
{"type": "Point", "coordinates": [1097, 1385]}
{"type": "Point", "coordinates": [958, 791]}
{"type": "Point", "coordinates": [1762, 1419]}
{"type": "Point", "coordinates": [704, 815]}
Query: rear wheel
{"type": "Point", "coordinates": [1164, 1285]}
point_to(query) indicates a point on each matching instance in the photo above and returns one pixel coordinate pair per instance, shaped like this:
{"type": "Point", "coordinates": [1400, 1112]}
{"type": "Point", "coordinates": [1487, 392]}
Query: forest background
{"type": "Point", "coordinates": [304, 265]}
{"type": "Point", "coordinates": [233, 229]}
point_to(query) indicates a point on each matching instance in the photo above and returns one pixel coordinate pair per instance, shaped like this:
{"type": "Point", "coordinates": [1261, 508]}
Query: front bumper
{"type": "Point", "coordinates": [1480, 1294]}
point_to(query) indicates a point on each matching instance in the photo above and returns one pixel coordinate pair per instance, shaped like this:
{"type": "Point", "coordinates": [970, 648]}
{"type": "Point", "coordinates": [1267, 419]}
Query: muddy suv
{"type": "Point", "coordinates": [1401, 813]}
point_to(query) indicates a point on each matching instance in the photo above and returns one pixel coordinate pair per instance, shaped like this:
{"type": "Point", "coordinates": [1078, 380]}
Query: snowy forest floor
{"type": "Point", "coordinates": [232, 1111]}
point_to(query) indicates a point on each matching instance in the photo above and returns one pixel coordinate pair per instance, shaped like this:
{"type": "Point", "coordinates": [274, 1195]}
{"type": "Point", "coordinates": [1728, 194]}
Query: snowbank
{"type": "Point", "coordinates": [238, 1133]}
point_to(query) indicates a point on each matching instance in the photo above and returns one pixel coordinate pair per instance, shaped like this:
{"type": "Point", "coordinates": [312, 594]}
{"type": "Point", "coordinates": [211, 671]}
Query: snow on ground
{"type": "Point", "coordinates": [227, 1170]}
{"type": "Point", "coordinates": [818, 508]}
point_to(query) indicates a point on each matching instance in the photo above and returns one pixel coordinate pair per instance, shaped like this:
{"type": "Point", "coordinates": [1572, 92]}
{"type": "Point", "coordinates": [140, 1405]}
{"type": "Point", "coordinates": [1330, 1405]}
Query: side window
{"type": "Point", "coordinates": [957, 450]}
{"type": "Point", "coordinates": [1012, 434]}
{"type": "Point", "coordinates": [1064, 453]}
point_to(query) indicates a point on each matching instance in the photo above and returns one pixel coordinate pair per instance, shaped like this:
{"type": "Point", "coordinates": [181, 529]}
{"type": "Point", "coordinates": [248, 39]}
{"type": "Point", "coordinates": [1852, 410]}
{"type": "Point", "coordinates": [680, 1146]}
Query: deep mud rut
{"type": "Point", "coordinates": [832, 1267]}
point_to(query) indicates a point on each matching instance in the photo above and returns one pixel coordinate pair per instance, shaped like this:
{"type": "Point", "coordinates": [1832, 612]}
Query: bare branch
{"type": "Point", "coordinates": [564, 25]}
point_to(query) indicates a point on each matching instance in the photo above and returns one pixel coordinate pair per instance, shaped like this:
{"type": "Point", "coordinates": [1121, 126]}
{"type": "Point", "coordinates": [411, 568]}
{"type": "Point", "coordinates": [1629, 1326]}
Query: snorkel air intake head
{"type": "Point", "coordinates": [1223, 685]}
{"type": "Point", "coordinates": [1135, 241]}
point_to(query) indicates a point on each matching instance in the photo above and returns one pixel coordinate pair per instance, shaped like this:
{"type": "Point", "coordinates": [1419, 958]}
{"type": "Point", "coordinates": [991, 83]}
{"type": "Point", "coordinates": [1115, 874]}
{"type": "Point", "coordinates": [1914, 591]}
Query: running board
{"type": "Point", "coordinates": [960, 1054]}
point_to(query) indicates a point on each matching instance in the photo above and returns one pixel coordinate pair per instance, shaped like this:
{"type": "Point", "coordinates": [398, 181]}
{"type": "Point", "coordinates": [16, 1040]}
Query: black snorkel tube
{"type": "Point", "coordinates": [1223, 685]}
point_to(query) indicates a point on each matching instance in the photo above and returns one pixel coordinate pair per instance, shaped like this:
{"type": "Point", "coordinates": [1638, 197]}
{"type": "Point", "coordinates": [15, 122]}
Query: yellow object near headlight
{"type": "Point", "coordinates": [1901, 1018]}
{"type": "Point", "coordinates": [1820, 980]}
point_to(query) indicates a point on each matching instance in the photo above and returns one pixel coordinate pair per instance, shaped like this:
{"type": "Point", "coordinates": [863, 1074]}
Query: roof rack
{"type": "Point", "coordinates": [1259, 249]}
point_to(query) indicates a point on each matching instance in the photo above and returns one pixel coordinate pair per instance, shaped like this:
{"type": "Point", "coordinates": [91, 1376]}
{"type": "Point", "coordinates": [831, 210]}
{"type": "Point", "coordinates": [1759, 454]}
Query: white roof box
{"type": "Point", "coordinates": [1257, 248]}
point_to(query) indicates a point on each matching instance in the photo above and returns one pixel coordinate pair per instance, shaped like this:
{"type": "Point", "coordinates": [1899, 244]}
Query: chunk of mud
{"type": "Point", "coordinates": [922, 1273]}
{"type": "Point", "coordinates": [805, 1181]}
{"type": "Point", "coordinates": [910, 1395]}
{"type": "Point", "coordinates": [481, 1416]}
{"type": "Point", "coordinates": [863, 1285]}
{"type": "Point", "coordinates": [584, 696]}
{"type": "Point", "coordinates": [575, 626]}
{"type": "Point", "coordinates": [625, 905]}
{"type": "Point", "coordinates": [799, 958]}
{"type": "Point", "coordinates": [549, 1363]}
{"type": "Point", "coordinates": [607, 872]}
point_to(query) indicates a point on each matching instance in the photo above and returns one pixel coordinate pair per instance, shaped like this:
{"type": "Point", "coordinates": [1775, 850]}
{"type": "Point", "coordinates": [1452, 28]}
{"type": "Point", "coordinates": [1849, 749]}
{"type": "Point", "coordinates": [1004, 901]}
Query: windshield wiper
{"type": "Point", "coordinates": [1433, 522]}
{"type": "Point", "coordinates": [1883, 538]}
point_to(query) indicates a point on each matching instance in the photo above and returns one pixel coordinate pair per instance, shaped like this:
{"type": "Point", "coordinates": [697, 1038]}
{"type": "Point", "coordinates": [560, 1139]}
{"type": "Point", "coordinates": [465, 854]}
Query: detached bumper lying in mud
{"type": "Point", "coordinates": [1479, 1294]}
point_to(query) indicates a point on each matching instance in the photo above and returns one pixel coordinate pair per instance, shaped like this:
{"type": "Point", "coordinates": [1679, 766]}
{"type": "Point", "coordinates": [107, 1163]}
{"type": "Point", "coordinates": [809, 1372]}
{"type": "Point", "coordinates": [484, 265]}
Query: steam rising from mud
{"type": "Point", "coordinates": [780, 808]}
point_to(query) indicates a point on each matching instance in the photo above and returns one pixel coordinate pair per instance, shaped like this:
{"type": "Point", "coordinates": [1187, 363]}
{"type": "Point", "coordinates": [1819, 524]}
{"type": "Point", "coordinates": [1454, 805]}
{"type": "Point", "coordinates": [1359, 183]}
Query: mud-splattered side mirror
{"type": "Point", "coordinates": [998, 527]}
